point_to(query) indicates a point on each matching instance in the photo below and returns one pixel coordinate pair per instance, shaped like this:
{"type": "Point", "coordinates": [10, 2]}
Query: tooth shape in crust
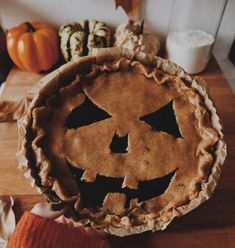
{"type": "Point", "coordinates": [130, 182]}
{"type": "Point", "coordinates": [89, 176]}
{"type": "Point", "coordinates": [114, 202]}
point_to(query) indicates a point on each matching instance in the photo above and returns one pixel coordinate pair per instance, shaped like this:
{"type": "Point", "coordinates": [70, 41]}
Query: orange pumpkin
{"type": "Point", "coordinates": [33, 47]}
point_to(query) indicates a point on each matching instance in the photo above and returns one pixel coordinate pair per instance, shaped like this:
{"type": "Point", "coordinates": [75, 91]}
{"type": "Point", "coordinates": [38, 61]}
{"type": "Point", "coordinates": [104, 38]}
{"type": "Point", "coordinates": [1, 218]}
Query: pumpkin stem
{"type": "Point", "coordinates": [30, 27]}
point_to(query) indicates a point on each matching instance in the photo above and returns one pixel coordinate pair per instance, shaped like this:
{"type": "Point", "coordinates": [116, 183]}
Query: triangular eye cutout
{"type": "Point", "coordinates": [163, 120]}
{"type": "Point", "coordinates": [85, 114]}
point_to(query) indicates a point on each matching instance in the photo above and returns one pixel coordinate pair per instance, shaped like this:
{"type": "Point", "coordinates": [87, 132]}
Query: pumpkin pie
{"type": "Point", "coordinates": [127, 141]}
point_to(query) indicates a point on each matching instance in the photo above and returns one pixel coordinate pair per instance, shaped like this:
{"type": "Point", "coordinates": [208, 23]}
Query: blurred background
{"type": "Point", "coordinates": [156, 13]}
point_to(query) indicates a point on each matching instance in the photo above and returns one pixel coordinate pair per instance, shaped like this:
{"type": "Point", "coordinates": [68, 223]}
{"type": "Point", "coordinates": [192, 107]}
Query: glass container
{"type": "Point", "coordinates": [193, 28]}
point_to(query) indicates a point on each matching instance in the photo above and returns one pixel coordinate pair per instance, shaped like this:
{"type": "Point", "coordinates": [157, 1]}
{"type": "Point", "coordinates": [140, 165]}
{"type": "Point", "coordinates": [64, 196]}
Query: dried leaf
{"type": "Point", "coordinates": [132, 8]}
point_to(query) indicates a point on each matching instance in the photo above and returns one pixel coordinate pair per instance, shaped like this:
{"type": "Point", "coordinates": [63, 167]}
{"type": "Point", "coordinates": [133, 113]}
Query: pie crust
{"type": "Point", "coordinates": [120, 81]}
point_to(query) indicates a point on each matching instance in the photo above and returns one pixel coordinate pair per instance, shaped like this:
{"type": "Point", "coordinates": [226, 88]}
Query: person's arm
{"type": "Point", "coordinates": [35, 231]}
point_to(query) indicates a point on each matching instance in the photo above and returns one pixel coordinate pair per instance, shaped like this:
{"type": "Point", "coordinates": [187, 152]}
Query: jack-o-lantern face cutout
{"type": "Point", "coordinates": [123, 144]}
{"type": "Point", "coordinates": [94, 188]}
{"type": "Point", "coordinates": [125, 136]}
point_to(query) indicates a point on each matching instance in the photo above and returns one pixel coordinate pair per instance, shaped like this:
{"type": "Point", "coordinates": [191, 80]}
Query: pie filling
{"type": "Point", "coordinates": [93, 193]}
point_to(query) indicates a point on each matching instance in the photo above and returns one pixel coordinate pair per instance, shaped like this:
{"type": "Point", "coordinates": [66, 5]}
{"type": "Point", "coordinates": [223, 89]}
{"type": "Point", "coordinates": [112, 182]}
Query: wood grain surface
{"type": "Point", "coordinates": [211, 225]}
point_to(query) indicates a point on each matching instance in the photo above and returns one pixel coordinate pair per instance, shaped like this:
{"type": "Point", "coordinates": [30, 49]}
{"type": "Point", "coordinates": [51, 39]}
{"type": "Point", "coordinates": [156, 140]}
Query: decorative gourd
{"type": "Point", "coordinates": [132, 35]}
{"type": "Point", "coordinates": [78, 38]}
{"type": "Point", "coordinates": [33, 47]}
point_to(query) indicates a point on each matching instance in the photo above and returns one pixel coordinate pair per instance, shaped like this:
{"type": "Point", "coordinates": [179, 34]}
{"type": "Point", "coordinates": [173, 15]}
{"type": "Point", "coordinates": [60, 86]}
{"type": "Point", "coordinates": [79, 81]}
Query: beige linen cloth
{"type": "Point", "coordinates": [7, 219]}
{"type": "Point", "coordinates": [12, 110]}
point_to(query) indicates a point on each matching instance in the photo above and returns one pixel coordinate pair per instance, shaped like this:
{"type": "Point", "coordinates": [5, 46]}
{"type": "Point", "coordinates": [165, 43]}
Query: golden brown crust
{"type": "Point", "coordinates": [198, 166]}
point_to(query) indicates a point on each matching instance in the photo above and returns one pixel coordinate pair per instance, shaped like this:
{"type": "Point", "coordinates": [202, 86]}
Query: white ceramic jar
{"type": "Point", "coordinates": [193, 28]}
{"type": "Point", "coordinates": [190, 49]}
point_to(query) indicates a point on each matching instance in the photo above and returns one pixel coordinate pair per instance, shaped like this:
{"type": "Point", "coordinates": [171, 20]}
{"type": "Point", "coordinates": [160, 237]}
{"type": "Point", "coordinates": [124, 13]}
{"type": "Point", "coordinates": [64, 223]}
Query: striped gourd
{"type": "Point", "coordinates": [78, 38]}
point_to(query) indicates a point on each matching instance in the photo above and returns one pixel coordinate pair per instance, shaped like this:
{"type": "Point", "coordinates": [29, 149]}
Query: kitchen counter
{"type": "Point", "coordinates": [211, 225]}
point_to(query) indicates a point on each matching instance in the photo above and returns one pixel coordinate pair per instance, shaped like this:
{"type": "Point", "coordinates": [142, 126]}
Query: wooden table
{"type": "Point", "coordinates": [211, 225]}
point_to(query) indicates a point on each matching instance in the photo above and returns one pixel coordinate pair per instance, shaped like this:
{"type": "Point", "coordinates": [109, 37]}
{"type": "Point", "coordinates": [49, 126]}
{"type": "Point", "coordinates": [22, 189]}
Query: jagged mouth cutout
{"type": "Point", "coordinates": [93, 193]}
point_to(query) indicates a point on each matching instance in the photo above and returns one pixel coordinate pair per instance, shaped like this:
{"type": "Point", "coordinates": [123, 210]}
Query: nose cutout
{"type": "Point", "coordinates": [119, 144]}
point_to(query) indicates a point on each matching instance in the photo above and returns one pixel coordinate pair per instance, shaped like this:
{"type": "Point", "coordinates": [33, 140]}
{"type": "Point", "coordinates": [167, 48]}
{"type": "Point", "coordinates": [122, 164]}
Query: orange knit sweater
{"type": "Point", "coordinates": [36, 232]}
